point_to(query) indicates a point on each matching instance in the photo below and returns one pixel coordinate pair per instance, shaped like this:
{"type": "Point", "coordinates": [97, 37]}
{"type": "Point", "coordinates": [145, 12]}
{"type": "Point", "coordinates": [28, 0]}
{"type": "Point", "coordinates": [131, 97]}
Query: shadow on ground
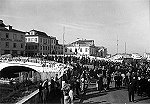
{"type": "Point", "coordinates": [99, 102]}
{"type": "Point", "coordinates": [142, 99]}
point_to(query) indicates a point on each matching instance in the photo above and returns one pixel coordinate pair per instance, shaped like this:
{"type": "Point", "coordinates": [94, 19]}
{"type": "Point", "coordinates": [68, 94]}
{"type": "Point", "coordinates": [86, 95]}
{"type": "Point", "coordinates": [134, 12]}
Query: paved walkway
{"type": "Point", "coordinates": [112, 96]}
{"type": "Point", "coordinates": [93, 96]}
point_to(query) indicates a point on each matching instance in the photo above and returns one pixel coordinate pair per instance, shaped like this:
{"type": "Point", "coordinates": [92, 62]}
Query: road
{"type": "Point", "coordinates": [112, 96]}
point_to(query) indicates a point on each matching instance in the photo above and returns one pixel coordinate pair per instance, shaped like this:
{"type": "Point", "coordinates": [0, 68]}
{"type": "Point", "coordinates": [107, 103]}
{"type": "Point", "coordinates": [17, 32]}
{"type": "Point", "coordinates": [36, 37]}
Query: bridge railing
{"type": "Point", "coordinates": [48, 65]}
{"type": "Point", "coordinates": [43, 62]}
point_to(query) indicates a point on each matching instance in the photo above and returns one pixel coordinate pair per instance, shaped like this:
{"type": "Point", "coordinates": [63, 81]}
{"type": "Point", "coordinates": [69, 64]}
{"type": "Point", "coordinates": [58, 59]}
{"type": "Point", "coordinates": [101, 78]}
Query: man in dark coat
{"type": "Point", "coordinates": [40, 91]}
{"type": "Point", "coordinates": [131, 89]}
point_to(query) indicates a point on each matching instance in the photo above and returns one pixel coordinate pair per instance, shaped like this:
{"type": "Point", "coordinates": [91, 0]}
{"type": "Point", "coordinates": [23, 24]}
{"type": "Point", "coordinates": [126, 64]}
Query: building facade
{"type": "Point", "coordinates": [147, 56]}
{"type": "Point", "coordinates": [59, 49]}
{"type": "Point", "coordinates": [136, 56]}
{"type": "Point", "coordinates": [85, 47]}
{"type": "Point", "coordinates": [101, 51]}
{"type": "Point", "coordinates": [12, 41]}
{"type": "Point", "coordinates": [39, 43]}
{"type": "Point", "coordinates": [81, 47]}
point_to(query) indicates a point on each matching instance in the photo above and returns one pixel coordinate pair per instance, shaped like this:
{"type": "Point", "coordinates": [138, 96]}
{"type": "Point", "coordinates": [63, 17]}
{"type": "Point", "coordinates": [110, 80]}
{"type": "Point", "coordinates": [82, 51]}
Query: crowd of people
{"type": "Point", "coordinates": [133, 75]}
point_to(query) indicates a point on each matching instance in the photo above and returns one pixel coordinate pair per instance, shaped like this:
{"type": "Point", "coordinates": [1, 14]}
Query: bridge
{"type": "Point", "coordinates": [46, 69]}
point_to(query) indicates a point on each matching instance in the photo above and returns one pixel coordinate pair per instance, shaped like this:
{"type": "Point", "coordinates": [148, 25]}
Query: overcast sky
{"type": "Point", "coordinates": [100, 20]}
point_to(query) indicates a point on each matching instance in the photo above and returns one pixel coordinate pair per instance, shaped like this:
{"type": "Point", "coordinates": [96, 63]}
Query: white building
{"type": "Point", "coordinates": [82, 47]}
{"type": "Point", "coordinates": [136, 56]}
{"type": "Point", "coordinates": [86, 48]}
{"type": "Point", "coordinates": [147, 56]}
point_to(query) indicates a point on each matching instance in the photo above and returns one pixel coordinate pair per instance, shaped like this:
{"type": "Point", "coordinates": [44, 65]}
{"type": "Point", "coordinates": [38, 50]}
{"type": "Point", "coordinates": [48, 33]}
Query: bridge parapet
{"type": "Point", "coordinates": [48, 68]}
{"type": "Point", "coordinates": [43, 62]}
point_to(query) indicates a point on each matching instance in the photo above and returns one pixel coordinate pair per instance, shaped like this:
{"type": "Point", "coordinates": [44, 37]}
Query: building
{"type": "Point", "coordinates": [101, 51]}
{"type": "Point", "coordinates": [54, 43]}
{"type": "Point", "coordinates": [136, 56]}
{"type": "Point", "coordinates": [147, 56]}
{"type": "Point", "coordinates": [82, 47]}
{"type": "Point", "coordinates": [12, 41]}
{"type": "Point", "coordinates": [59, 48]}
{"type": "Point", "coordinates": [120, 57]}
{"type": "Point", "coordinates": [39, 43]}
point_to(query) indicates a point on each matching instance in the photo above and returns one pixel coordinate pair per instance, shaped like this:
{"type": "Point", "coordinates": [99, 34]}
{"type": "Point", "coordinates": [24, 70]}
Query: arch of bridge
{"type": "Point", "coordinates": [35, 66]}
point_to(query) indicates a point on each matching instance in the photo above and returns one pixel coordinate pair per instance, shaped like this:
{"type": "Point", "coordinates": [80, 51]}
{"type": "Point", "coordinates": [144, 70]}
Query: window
{"type": "Point", "coordinates": [28, 39]}
{"type": "Point", "coordinates": [45, 47]}
{"type": "Point", "coordinates": [21, 36]}
{"type": "Point", "coordinates": [21, 45]}
{"type": "Point", "coordinates": [86, 49]}
{"type": "Point", "coordinates": [51, 41]}
{"type": "Point", "coordinates": [32, 39]}
{"type": "Point", "coordinates": [7, 35]}
{"type": "Point", "coordinates": [45, 41]}
{"type": "Point", "coordinates": [29, 47]}
{"type": "Point", "coordinates": [7, 45]}
{"type": "Point", "coordinates": [35, 47]}
{"type": "Point", "coordinates": [76, 50]}
{"type": "Point", "coordinates": [41, 47]}
{"type": "Point", "coordinates": [70, 49]}
{"type": "Point", "coordinates": [14, 36]}
{"type": "Point", "coordinates": [65, 50]}
{"type": "Point", "coordinates": [14, 45]}
{"type": "Point", "coordinates": [48, 41]}
{"type": "Point", "coordinates": [41, 40]}
{"type": "Point", "coordinates": [80, 49]}
{"type": "Point", "coordinates": [35, 40]}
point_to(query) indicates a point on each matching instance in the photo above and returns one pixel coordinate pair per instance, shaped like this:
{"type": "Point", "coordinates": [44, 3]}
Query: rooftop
{"type": "Point", "coordinates": [40, 33]}
{"type": "Point", "coordinates": [82, 43]}
{"type": "Point", "coordinates": [12, 30]}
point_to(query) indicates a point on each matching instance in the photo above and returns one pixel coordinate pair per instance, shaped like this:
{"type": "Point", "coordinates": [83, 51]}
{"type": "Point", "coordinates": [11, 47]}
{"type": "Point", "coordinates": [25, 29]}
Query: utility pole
{"type": "Point", "coordinates": [125, 47]}
{"type": "Point", "coordinates": [117, 44]}
{"type": "Point", "coordinates": [63, 44]}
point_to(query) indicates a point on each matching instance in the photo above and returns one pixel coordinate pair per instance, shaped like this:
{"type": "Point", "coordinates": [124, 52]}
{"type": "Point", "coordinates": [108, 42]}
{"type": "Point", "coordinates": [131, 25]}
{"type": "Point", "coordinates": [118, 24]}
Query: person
{"type": "Point", "coordinates": [77, 87]}
{"type": "Point", "coordinates": [83, 76]}
{"type": "Point", "coordinates": [40, 91]}
{"type": "Point", "coordinates": [108, 80]}
{"type": "Point", "coordinates": [105, 83]}
{"type": "Point", "coordinates": [45, 90]}
{"type": "Point", "coordinates": [66, 89]}
{"type": "Point", "coordinates": [52, 87]}
{"type": "Point", "coordinates": [100, 82]}
{"type": "Point", "coordinates": [71, 95]}
{"type": "Point", "coordinates": [131, 89]}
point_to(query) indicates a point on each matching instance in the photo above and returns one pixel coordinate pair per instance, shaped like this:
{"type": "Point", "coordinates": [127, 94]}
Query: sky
{"type": "Point", "coordinates": [100, 20]}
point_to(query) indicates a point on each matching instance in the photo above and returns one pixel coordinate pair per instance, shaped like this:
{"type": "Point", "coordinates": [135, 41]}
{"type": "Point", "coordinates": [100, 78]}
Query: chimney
{"type": "Point", "coordinates": [10, 27]}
